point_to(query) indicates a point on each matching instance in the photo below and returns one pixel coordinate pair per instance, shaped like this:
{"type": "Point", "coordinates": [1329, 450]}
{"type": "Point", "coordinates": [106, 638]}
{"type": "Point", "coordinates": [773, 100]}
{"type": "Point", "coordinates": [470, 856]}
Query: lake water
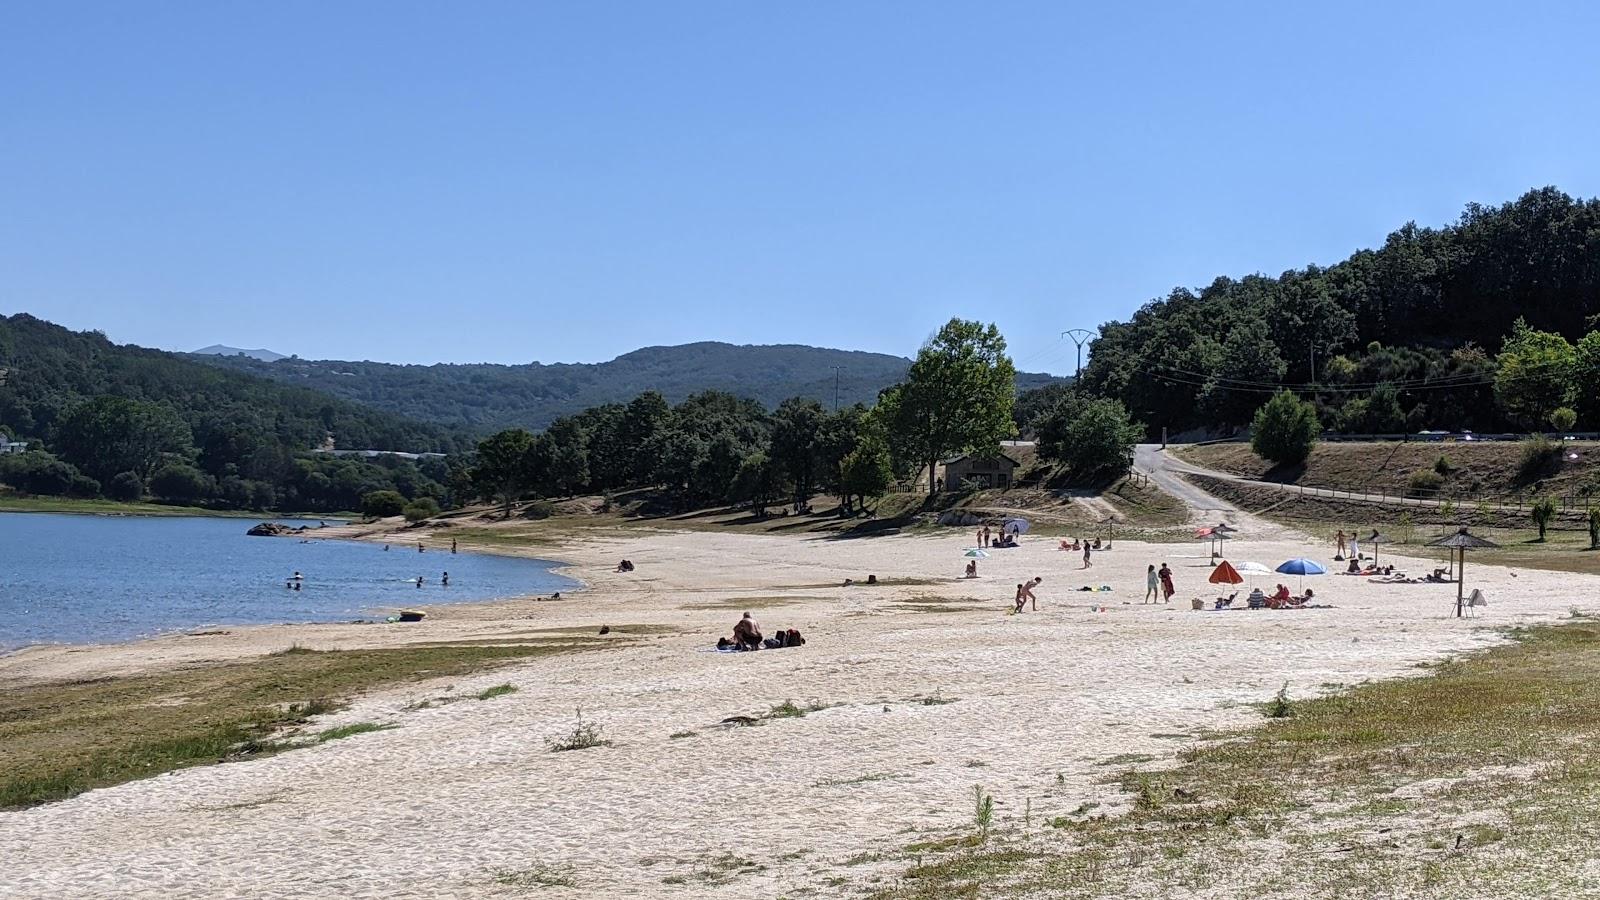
{"type": "Point", "coordinates": [92, 579]}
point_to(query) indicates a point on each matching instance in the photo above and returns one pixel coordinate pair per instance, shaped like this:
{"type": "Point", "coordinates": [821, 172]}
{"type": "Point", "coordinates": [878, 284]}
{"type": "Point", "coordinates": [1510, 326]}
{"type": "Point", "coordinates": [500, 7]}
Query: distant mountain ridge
{"type": "Point", "coordinates": [486, 396]}
{"type": "Point", "coordinates": [224, 350]}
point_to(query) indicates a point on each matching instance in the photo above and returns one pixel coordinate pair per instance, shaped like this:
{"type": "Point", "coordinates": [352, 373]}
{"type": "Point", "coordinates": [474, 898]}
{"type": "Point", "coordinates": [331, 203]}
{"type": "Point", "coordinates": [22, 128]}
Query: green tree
{"type": "Point", "coordinates": [382, 504]}
{"type": "Point", "coordinates": [1534, 375]}
{"type": "Point", "coordinates": [1562, 418]}
{"type": "Point", "coordinates": [757, 482]}
{"type": "Point", "coordinates": [179, 483]}
{"type": "Point", "coordinates": [642, 422]}
{"type": "Point", "coordinates": [126, 487]}
{"type": "Point", "coordinates": [1544, 510]}
{"type": "Point", "coordinates": [568, 469]}
{"type": "Point", "coordinates": [797, 428]}
{"type": "Point", "coordinates": [867, 473]}
{"type": "Point", "coordinates": [1285, 429]}
{"type": "Point", "coordinates": [957, 397]}
{"type": "Point", "coordinates": [1097, 442]}
{"type": "Point", "coordinates": [502, 471]}
{"type": "Point", "coordinates": [1586, 378]}
{"type": "Point", "coordinates": [108, 435]}
{"type": "Point", "coordinates": [420, 508]}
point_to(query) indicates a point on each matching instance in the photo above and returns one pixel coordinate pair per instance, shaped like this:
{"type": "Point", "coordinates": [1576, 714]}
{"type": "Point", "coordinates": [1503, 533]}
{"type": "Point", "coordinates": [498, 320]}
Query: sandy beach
{"type": "Point", "coordinates": [1040, 706]}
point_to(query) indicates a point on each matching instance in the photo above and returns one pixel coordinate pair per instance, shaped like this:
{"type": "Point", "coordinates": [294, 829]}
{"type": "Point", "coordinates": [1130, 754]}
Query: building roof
{"type": "Point", "coordinates": [958, 458]}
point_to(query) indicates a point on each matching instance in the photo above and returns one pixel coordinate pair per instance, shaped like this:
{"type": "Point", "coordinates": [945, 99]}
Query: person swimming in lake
{"type": "Point", "coordinates": [444, 580]}
{"type": "Point", "coordinates": [419, 582]}
{"type": "Point", "coordinates": [452, 545]}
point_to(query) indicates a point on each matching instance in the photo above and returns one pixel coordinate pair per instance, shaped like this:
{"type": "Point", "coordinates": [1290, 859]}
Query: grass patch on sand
{"type": "Point", "coordinates": [1475, 779]}
{"type": "Point", "coordinates": [344, 731]}
{"type": "Point", "coordinates": [58, 740]}
{"type": "Point", "coordinates": [499, 690]}
{"type": "Point", "coordinates": [535, 876]}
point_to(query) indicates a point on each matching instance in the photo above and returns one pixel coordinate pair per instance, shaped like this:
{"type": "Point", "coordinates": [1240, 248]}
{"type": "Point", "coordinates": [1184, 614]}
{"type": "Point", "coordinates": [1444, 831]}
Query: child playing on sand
{"type": "Point", "coordinates": [1022, 598]}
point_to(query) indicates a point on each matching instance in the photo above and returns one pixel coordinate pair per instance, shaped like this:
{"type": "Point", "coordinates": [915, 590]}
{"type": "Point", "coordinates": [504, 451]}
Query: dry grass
{"type": "Point", "coordinates": [1489, 467]}
{"type": "Point", "coordinates": [1474, 780]}
{"type": "Point", "coordinates": [58, 740]}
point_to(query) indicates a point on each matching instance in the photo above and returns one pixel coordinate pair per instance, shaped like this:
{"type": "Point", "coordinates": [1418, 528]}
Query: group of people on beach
{"type": "Point", "coordinates": [1002, 539]}
{"type": "Point", "coordinates": [1158, 584]}
{"type": "Point", "coordinates": [1025, 594]}
{"type": "Point", "coordinates": [747, 636]}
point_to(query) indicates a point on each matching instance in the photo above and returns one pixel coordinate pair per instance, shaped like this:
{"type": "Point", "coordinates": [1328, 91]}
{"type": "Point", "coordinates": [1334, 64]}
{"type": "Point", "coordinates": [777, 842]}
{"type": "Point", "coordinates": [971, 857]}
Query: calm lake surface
{"type": "Point", "coordinates": [93, 579]}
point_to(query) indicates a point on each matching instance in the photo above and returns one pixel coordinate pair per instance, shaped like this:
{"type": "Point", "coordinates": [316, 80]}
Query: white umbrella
{"type": "Point", "coordinates": [1016, 526]}
{"type": "Point", "coordinates": [975, 553]}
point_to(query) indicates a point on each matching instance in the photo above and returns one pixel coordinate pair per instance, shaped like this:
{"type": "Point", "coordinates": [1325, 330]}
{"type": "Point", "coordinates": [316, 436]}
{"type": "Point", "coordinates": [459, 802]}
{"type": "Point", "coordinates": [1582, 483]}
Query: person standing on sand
{"type": "Point", "coordinates": [1086, 562]}
{"type": "Point", "coordinates": [977, 537]}
{"type": "Point", "coordinates": [419, 546]}
{"type": "Point", "coordinates": [1339, 540]}
{"type": "Point", "coordinates": [1152, 585]}
{"type": "Point", "coordinates": [1027, 591]}
{"type": "Point", "coordinates": [988, 537]}
{"type": "Point", "coordinates": [452, 545]}
{"type": "Point", "coordinates": [1167, 590]}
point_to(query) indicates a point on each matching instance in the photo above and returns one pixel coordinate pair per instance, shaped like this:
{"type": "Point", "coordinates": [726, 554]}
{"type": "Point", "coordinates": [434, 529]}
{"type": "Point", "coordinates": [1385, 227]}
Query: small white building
{"type": "Point", "coordinates": [8, 446]}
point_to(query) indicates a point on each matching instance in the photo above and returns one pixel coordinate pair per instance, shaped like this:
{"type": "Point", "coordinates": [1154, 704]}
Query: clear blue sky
{"type": "Point", "coordinates": [424, 182]}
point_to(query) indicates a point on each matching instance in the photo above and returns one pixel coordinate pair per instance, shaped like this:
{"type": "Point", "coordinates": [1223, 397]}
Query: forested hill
{"type": "Point", "coordinates": [46, 370]}
{"type": "Point", "coordinates": [487, 397]}
{"type": "Point", "coordinates": [1402, 337]}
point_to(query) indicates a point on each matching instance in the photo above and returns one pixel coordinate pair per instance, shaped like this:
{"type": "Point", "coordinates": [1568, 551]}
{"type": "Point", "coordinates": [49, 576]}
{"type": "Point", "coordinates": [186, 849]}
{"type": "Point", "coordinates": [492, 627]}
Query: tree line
{"type": "Point", "coordinates": [1420, 333]}
{"type": "Point", "coordinates": [124, 422]}
{"type": "Point", "coordinates": [958, 396]}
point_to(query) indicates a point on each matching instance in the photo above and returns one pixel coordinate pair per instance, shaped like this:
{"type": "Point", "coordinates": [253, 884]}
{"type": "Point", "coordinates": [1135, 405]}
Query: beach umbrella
{"type": "Point", "coordinates": [1462, 541]}
{"type": "Point", "coordinates": [1225, 573]}
{"type": "Point", "coordinates": [975, 553]}
{"type": "Point", "coordinates": [1015, 526]}
{"type": "Point", "coordinates": [1302, 567]}
{"type": "Point", "coordinates": [1375, 539]}
{"type": "Point", "coordinates": [1254, 568]}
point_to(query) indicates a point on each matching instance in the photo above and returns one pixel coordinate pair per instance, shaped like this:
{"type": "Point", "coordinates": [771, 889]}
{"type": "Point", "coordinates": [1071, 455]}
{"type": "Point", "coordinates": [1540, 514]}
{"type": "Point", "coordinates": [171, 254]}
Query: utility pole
{"type": "Point", "coordinates": [1080, 336]}
{"type": "Point", "coordinates": [836, 371]}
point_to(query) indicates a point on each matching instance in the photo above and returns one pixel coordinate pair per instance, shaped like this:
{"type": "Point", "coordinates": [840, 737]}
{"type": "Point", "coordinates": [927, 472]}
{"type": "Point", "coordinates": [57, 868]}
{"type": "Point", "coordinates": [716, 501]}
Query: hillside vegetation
{"type": "Point", "coordinates": [1467, 469]}
{"type": "Point", "coordinates": [1414, 334]}
{"type": "Point", "coordinates": [488, 397]}
{"type": "Point", "coordinates": [127, 422]}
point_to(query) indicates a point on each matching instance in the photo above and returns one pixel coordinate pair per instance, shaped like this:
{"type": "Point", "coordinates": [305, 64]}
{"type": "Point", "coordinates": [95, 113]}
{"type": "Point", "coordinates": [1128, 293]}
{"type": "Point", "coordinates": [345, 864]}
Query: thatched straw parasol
{"type": "Point", "coordinates": [1462, 541]}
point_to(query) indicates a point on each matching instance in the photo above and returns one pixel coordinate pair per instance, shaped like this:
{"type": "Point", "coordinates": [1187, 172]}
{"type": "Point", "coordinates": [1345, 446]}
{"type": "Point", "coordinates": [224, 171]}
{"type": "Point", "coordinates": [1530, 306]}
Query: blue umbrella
{"type": "Point", "coordinates": [1302, 567]}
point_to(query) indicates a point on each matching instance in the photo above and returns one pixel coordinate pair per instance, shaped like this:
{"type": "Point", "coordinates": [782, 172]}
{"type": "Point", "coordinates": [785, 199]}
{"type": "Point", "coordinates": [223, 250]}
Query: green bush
{"type": "Point", "coordinates": [126, 486]}
{"type": "Point", "coordinates": [1285, 429]}
{"type": "Point", "coordinates": [1544, 510]}
{"type": "Point", "coordinates": [382, 504]}
{"type": "Point", "coordinates": [421, 508]}
{"type": "Point", "coordinates": [182, 484]}
{"type": "Point", "coordinates": [1443, 466]}
{"type": "Point", "coordinates": [1541, 458]}
{"type": "Point", "coordinates": [1563, 418]}
{"type": "Point", "coordinates": [539, 509]}
{"type": "Point", "coordinates": [1424, 483]}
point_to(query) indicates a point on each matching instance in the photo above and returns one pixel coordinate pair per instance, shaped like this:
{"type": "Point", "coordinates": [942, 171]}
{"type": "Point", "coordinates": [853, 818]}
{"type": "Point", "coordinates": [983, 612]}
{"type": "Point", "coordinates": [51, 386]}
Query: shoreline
{"type": "Point", "coordinates": [906, 694]}
{"type": "Point", "coordinates": [283, 634]}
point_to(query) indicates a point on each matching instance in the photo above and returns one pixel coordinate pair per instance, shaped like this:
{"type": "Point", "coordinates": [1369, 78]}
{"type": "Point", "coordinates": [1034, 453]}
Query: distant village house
{"type": "Point", "coordinates": [998, 471]}
{"type": "Point", "coordinates": [7, 445]}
